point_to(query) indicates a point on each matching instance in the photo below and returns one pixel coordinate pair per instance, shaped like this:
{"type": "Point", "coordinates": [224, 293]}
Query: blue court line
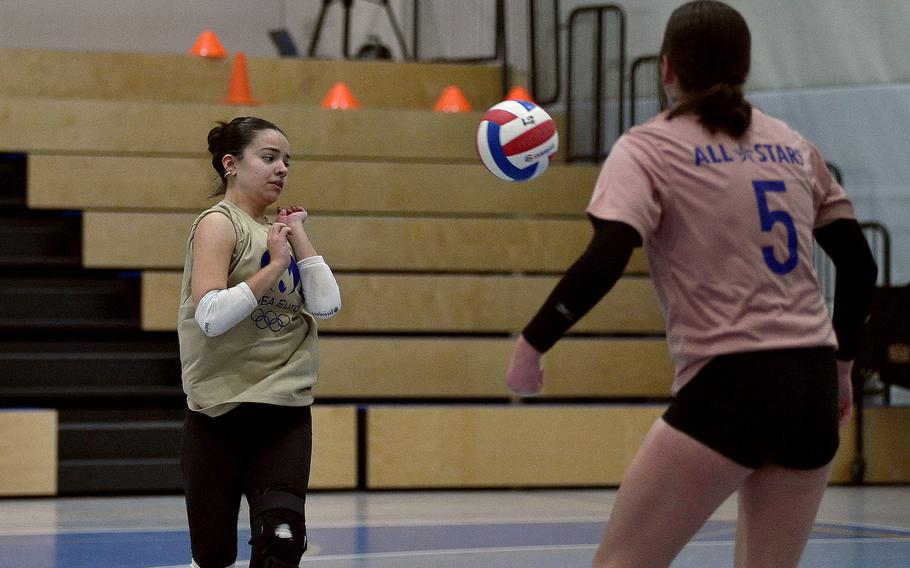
{"type": "Point", "coordinates": [141, 549]}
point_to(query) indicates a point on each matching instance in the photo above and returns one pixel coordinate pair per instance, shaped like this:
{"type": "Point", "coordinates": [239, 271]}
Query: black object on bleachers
{"type": "Point", "coordinates": [887, 347]}
{"type": "Point", "coordinates": [345, 38]}
{"type": "Point", "coordinates": [283, 42]}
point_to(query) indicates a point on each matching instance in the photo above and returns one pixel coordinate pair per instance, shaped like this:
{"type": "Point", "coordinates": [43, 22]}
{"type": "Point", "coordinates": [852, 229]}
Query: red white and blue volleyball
{"type": "Point", "coordinates": [517, 140]}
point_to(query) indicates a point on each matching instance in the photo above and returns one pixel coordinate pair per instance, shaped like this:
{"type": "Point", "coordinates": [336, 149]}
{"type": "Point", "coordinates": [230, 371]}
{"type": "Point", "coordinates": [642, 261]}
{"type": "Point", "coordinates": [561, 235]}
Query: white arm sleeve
{"type": "Point", "coordinates": [321, 296]}
{"type": "Point", "coordinates": [220, 310]}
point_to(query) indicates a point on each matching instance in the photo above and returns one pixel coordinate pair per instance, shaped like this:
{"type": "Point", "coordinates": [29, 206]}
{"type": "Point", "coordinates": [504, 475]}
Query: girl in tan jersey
{"type": "Point", "coordinates": [726, 202]}
{"type": "Point", "coordinates": [252, 290]}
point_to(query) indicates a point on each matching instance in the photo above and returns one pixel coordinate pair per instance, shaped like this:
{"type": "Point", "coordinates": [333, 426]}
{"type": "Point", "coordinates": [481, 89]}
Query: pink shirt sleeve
{"type": "Point", "coordinates": [626, 189]}
{"type": "Point", "coordinates": [831, 202]}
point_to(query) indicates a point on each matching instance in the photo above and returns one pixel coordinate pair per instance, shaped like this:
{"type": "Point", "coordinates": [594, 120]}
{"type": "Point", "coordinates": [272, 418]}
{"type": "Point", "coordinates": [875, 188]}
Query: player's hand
{"type": "Point", "coordinates": [279, 250]}
{"type": "Point", "coordinates": [525, 375]}
{"type": "Point", "coordinates": [292, 216]}
{"type": "Point", "coordinates": [845, 390]}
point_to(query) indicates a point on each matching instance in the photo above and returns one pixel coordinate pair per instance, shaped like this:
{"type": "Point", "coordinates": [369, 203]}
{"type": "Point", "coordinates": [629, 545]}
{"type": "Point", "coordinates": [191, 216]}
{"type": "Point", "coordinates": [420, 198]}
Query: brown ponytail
{"type": "Point", "coordinates": [708, 45]}
{"type": "Point", "coordinates": [722, 108]}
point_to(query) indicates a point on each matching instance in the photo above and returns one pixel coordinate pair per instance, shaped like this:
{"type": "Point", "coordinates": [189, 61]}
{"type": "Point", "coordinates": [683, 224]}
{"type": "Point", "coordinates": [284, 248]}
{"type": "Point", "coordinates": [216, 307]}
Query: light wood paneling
{"type": "Point", "coordinates": [32, 73]}
{"type": "Point", "coordinates": [58, 126]}
{"type": "Point", "coordinates": [441, 304]}
{"type": "Point", "coordinates": [160, 300]}
{"type": "Point", "coordinates": [886, 445]}
{"type": "Point", "coordinates": [507, 446]}
{"type": "Point", "coordinates": [118, 182]}
{"type": "Point", "coordinates": [408, 367]}
{"type": "Point", "coordinates": [163, 183]}
{"type": "Point", "coordinates": [158, 240]}
{"type": "Point", "coordinates": [28, 452]}
{"type": "Point", "coordinates": [841, 467]}
{"type": "Point", "coordinates": [135, 240]}
{"type": "Point", "coordinates": [608, 368]}
{"type": "Point", "coordinates": [490, 304]}
{"type": "Point", "coordinates": [528, 446]}
{"type": "Point", "coordinates": [334, 447]}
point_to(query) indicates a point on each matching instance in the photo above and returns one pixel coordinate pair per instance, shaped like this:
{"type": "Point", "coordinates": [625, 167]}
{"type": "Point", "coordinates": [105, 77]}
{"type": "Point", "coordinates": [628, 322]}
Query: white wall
{"type": "Point", "coordinates": [171, 26]}
{"type": "Point", "coordinates": [796, 43]}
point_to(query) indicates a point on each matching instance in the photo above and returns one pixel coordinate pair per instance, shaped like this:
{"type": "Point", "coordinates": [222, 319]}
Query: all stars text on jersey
{"type": "Point", "coordinates": [758, 153]}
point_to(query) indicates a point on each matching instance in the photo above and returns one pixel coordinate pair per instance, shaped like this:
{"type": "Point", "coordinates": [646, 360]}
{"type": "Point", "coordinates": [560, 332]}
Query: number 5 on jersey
{"type": "Point", "coordinates": [768, 218]}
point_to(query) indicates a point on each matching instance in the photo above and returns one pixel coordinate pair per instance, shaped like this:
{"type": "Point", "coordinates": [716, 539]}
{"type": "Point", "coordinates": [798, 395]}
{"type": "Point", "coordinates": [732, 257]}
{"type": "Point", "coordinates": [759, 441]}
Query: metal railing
{"type": "Point", "coordinates": [647, 97]}
{"type": "Point", "coordinates": [594, 117]}
{"type": "Point", "coordinates": [545, 45]}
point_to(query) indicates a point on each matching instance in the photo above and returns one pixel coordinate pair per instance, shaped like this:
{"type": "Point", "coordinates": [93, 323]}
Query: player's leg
{"type": "Point", "coordinates": [778, 503]}
{"type": "Point", "coordinates": [212, 478]}
{"type": "Point", "coordinates": [671, 488]}
{"type": "Point", "coordinates": [777, 508]}
{"type": "Point", "coordinates": [276, 487]}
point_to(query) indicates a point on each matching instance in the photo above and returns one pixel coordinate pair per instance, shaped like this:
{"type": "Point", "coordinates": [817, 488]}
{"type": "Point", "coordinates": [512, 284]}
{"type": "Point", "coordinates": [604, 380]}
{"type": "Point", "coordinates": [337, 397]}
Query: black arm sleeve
{"type": "Point", "coordinates": [584, 283]}
{"type": "Point", "coordinates": [856, 273]}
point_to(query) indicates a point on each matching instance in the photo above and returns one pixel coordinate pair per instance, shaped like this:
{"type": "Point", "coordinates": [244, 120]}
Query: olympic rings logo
{"type": "Point", "coordinates": [270, 320]}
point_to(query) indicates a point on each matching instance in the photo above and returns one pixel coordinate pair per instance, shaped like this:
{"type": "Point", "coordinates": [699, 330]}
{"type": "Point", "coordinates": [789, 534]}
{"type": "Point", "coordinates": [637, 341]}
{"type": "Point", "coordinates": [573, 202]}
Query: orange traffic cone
{"type": "Point", "coordinates": [207, 45]}
{"type": "Point", "coordinates": [239, 87]}
{"type": "Point", "coordinates": [340, 97]}
{"type": "Point", "coordinates": [452, 100]}
{"type": "Point", "coordinates": [519, 93]}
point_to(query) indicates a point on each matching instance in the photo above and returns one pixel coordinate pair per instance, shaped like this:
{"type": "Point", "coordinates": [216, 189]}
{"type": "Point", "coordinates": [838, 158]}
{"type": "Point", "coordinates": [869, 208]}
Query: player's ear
{"type": "Point", "coordinates": [228, 162]}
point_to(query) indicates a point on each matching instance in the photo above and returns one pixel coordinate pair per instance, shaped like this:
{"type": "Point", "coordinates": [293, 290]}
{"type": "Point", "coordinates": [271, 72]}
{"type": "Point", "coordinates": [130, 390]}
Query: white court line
{"type": "Point", "coordinates": [89, 530]}
{"type": "Point", "coordinates": [452, 552]}
{"type": "Point", "coordinates": [457, 522]}
{"type": "Point", "coordinates": [416, 553]}
{"type": "Point", "coordinates": [820, 525]}
{"type": "Point", "coordinates": [860, 525]}
{"type": "Point", "coordinates": [877, 540]}
{"type": "Point", "coordinates": [329, 525]}
{"type": "Point", "coordinates": [550, 548]}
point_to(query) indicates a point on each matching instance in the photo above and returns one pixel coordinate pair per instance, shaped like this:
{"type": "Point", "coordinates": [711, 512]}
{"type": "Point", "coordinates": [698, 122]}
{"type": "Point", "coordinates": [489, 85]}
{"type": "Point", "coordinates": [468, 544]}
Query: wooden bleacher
{"type": "Point", "coordinates": [136, 77]}
{"type": "Point", "coordinates": [28, 452]}
{"type": "Point", "coordinates": [440, 264]}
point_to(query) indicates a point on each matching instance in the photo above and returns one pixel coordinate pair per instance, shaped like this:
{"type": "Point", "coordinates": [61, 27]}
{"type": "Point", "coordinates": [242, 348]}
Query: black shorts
{"type": "Point", "coordinates": [766, 407]}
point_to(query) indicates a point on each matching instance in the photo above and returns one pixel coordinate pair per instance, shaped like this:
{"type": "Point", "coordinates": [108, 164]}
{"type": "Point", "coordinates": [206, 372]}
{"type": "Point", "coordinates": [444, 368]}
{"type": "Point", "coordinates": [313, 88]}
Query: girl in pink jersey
{"type": "Point", "coordinates": [726, 201]}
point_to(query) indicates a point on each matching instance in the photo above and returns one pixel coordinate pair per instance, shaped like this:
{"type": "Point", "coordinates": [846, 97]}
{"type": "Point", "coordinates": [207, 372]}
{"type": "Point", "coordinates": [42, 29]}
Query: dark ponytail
{"type": "Point", "coordinates": [232, 138]}
{"type": "Point", "coordinates": [721, 108]}
{"type": "Point", "coordinates": [708, 45]}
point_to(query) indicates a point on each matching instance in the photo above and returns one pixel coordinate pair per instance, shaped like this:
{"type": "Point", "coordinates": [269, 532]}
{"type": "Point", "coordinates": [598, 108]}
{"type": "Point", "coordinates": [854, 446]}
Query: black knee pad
{"type": "Point", "coordinates": [273, 549]}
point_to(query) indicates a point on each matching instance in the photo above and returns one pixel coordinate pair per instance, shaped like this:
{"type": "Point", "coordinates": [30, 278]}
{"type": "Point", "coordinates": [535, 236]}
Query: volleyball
{"type": "Point", "coordinates": [516, 140]}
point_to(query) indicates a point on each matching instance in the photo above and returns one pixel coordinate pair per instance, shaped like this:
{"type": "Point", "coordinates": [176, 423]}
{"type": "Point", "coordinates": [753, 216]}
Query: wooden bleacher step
{"type": "Point", "coordinates": [94, 183]}
{"type": "Point", "coordinates": [156, 240]}
{"type": "Point", "coordinates": [442, 303]}
{"type": "Point", "coordinates": [30, 73]}
{"type": "Point", "coordinates": [71, 126]}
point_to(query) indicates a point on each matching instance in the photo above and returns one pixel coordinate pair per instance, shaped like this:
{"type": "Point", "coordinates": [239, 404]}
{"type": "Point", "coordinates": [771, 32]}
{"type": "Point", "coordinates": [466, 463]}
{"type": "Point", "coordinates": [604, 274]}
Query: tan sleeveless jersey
{"type": "Point", "coordinates": [270, 357]}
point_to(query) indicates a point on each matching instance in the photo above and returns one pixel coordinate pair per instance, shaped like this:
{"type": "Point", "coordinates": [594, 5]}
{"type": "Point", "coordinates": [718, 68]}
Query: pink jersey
{"type": "Point", "coordinates": [727, 226]}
